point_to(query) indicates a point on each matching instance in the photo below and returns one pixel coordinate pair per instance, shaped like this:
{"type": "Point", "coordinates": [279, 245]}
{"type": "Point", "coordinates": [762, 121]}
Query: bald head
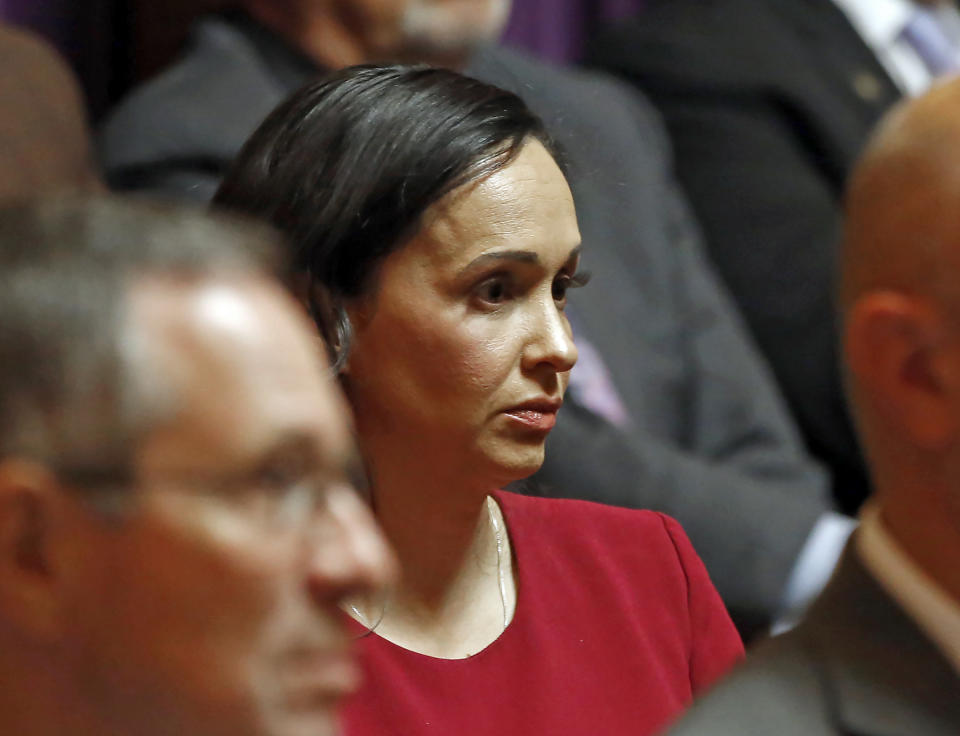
{"type": "Point", "coordinates": [44, 141]}
{"type": "Point", "coordinates": [901, 300]}
{"type": "Point", "coordinates": [903, 203]}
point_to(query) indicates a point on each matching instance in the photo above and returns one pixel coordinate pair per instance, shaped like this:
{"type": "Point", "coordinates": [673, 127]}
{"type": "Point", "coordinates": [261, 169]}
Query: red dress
{"type": "Point", "coordinates": [616, 627]}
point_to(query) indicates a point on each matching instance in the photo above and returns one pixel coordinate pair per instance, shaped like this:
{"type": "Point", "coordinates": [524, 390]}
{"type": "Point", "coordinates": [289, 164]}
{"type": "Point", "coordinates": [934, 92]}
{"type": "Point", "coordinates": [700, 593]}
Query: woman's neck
{"type": "Point", "coordinates": [457, 589]}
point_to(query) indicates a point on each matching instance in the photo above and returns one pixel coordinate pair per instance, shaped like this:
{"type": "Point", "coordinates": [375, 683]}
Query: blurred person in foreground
{"type": "Point", "coordinates": [176, 523]}
{"type": "Point", "coordinates": [879, 651]}
{"type": "Point", "coordinates": [670, 407]}
{"type": "Point", "coordinates": [436, 244]}
{"type": "Point", "coordinates": [44, 142]}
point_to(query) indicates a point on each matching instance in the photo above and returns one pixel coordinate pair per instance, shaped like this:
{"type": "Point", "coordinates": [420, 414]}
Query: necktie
{"type": "Point", "coordinates": [591, 384]}
{"type": "Point", "coordinates": [927, 37]}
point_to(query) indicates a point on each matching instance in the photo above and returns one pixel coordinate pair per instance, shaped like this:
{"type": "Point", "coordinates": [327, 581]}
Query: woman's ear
{"type": "Point", "coordinates": [330, 316]}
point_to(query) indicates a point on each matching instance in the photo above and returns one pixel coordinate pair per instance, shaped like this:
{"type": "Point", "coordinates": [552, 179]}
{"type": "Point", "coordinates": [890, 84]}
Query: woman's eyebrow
{"type": "Point", "coordinates": [523, 256]}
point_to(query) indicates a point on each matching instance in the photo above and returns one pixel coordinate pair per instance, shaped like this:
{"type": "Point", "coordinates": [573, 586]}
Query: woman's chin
{"type": "Point", "coordinates": [516, 463]}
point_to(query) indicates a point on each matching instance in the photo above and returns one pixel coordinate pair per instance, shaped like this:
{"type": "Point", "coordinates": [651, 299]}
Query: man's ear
{"type": "Point", "coordinates": [30, 590]}
{"type": "Point", "coordinates": [898, 351]}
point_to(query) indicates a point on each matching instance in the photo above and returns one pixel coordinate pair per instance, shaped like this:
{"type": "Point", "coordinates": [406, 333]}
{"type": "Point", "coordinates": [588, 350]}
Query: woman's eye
{"type": "Point", "coordinates": [494, 291]}
{"type": "Point", "coordinates": [565, 282]}
{"type": "Point", "coordinates": [560, 287]}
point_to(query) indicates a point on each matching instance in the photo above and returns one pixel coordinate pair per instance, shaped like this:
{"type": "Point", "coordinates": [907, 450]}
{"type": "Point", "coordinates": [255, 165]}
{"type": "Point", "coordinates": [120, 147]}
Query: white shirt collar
{"type": "Point", "coordinates": [931, 608]}
{"type": "Point", "coordinates": [879, 22]}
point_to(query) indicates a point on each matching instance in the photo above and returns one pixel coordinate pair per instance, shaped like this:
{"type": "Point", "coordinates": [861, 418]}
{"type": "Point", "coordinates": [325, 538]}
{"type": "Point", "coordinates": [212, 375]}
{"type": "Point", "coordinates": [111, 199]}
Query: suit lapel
{"type": "Point", "coordinates": [841, 55]}
{"type": "Point", "coordinates": [881, 674]}
{"type": "Point", "coordinates": [846, 89]}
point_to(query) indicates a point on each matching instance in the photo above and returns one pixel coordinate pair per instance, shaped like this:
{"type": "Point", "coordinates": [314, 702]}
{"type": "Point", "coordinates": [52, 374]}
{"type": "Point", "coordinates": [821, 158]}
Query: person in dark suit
{"type": "Point", "coordinates": [879, 652]}
{"type": "Point", "coordinates": [692, 425]}
{"type": "Point", "coordinates": [44, 141]}
{"type": "Point", "coordinates": [768, 103]}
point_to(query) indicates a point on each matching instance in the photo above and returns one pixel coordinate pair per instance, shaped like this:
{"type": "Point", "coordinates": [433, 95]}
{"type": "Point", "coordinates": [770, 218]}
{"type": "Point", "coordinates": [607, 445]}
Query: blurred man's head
{"type": "Point", "coordinates": [44, 142]}
{"type": "Point", "coordinates": [177, 525]}
{"type": "Point", "coordinates": [901, 300]}
{"type": "Point", "coordinates": [345, 32]}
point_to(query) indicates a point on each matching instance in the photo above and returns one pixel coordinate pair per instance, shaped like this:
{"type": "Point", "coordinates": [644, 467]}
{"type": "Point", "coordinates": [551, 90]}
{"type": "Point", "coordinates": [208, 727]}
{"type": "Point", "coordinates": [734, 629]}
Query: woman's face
{"type": "Point", "coordinates": [462, 351]}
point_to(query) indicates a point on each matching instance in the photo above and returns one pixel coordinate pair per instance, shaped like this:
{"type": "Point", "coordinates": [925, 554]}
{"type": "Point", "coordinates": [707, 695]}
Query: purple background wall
{"type": "Point", "coordinates": [53, 18]}
{"type": "Point", "coordinates": [556, 29]}
{"type": "Point", "coordinates": [92, 34]}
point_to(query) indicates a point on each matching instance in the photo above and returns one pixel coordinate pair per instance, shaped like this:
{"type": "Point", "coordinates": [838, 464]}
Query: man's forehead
{"type": "Point", "coordinates": [197, 300]}
{"type": "Point", "coordinates": [231, 317]}
{"type": "Point", "coordinates": [237, 325]}
{"type": "Point", "coordinates": [245, 367]}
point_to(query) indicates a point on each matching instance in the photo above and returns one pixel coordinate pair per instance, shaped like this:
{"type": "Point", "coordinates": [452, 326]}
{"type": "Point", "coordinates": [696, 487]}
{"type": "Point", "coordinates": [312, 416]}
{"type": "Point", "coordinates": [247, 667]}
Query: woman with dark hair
{"type": "Point", "coordinates": [435, 242]}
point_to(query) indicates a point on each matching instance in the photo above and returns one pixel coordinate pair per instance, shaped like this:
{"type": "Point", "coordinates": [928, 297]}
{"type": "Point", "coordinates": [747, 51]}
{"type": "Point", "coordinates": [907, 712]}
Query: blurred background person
{"type": "Point", "coordinates": [671, 407]}
{"type": "Point", "coordinates": [44, 141]}
{"type": "Point", "coordinates": [176, 524]}
{"type": "Point", "coordinates": [768, 103]}
{"type": "Point", "coordinates": [437, 241]}
{"type": "Point", "coordinates": [879, 652]}
{"type": "Point", "coordinates": [112, 43]}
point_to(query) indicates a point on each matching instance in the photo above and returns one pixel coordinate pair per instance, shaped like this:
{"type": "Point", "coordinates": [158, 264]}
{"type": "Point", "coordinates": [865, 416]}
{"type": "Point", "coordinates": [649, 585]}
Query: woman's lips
{"type": "Point", "coordinates": [538, 416]}
{"type": "Point", "coordinates": [538, 420]}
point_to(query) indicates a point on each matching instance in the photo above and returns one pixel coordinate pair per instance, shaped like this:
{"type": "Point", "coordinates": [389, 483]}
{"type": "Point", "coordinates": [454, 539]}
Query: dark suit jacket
{"type": "Point", "coordinates": [768, 103]}
{"type": "Point", "coordinates": [711, 443]}
{"type": "Point", "coordinates": [857, 665]}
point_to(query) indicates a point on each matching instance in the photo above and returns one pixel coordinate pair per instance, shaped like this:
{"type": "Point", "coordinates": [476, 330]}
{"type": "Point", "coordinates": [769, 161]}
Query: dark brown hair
{"type": "Point", "coordinates": [348, 165]}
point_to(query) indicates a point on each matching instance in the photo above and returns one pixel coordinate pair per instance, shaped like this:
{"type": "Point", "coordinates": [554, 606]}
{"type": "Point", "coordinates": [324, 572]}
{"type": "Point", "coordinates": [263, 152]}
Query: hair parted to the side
{"type": "Point", "coordinates": [348, 165]}
{"type": "Point", "coordinates": [74, 394]}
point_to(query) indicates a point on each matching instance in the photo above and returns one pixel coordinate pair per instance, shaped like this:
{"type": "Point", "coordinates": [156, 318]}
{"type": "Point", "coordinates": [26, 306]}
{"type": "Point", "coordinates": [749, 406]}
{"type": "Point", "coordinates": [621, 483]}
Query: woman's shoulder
{"type": "Point", "coordinates": [639, 564]}
{"type": "Point", "coordinates": [573, 519]}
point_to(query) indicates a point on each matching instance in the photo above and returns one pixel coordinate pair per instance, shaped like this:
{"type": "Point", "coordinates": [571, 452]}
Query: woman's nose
{"type": "Point", "coordinates": [551, 341]}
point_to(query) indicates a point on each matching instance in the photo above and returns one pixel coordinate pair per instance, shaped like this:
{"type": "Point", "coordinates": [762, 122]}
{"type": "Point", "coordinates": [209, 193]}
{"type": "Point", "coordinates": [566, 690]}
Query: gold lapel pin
{"type": "Point", "coordinates": [867, 86]}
